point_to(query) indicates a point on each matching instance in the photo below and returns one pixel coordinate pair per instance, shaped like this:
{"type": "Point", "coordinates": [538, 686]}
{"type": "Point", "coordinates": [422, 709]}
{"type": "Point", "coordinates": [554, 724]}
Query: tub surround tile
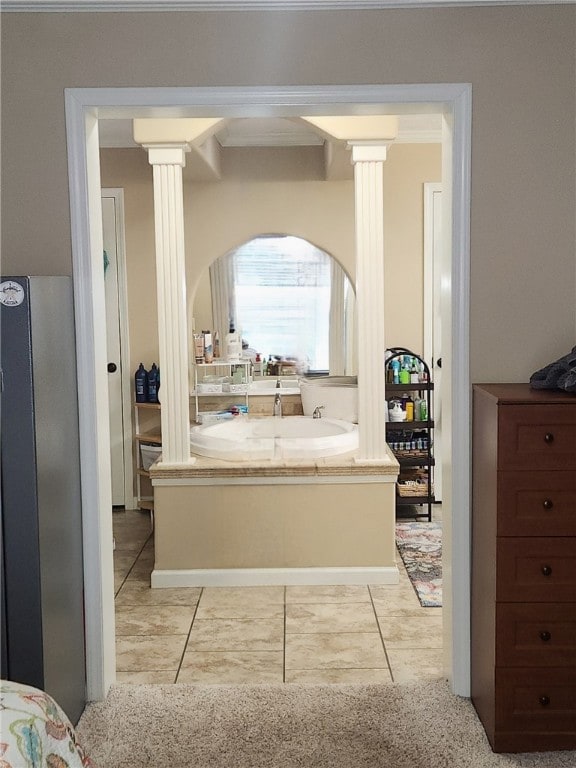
{"type": "Point", "coordinates": [411, 631]}
{"type": "Point", "coordinates": [338, 593]}
{"type": "Point", "coordinates": [331, 617]}
{"type": "Point", "coordinates": [231, 667]}
{"type": "Point", "coordinates": [408, 666]}
{"type": "Point", "coordinates": [152, 652]}
{"type": "Point", "coordinates": [237, 635]}
{"type": "Point", "coordinates": [153, 620]}
{"type": "Point", "coordinates": [135, 593]}
{"type": "Point", "coordinates": [332, 676]}
{"type": "Point", "coordinates": [338, 651]}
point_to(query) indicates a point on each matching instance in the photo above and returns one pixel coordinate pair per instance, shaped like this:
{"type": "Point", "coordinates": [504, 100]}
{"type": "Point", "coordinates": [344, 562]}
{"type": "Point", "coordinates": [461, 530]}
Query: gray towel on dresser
{"type": "Point", "coordinates": [560, 374]}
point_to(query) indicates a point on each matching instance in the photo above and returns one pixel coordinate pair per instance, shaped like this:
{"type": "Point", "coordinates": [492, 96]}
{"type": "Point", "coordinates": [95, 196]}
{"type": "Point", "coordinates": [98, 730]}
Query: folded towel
{"type": "Point", "coordinates": [561, 374]}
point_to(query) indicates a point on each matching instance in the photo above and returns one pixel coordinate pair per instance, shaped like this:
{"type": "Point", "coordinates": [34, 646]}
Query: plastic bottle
{"type": "Point", "coordinates": [395, 371]}
{"type": "Point", "coordinates": [152, 387]}
{"type": "Point", "coordinates": [414, 372]}
{"type": "Point", "coordinates": [423, 410]}
{"type": "Point", "coordinates": [141, 384]}
{"type": "Point", "coordinates": [208, 348]}
{"type": "Point", "coordinates": [216, 344]}
{"type": "Point", "coordinates": [233, 345]}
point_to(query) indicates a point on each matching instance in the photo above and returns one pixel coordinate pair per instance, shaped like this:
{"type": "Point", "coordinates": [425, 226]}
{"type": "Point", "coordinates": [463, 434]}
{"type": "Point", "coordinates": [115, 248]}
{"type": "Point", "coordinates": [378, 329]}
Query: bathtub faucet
{"type": "Point", "coordinates": [278, 400]}
{"type": "Point", "coordinates": [317, 413]}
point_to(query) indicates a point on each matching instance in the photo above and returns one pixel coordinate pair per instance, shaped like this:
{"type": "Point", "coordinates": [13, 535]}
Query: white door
{"type": "Point", "coordinates": [432, 314]}
{"type": "Point", "coordinates": [120, 425]}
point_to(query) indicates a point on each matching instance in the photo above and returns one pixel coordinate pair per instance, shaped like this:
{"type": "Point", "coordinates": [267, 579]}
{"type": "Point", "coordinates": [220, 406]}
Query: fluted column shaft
{"type": "Point", "coordinates": [167, 162]}
{"type": "Point", "coordinates": [368, 160]}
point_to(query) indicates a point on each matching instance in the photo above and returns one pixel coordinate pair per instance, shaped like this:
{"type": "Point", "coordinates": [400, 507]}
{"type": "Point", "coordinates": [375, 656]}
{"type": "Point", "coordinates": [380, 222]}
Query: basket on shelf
{"type": "Point", "coordinates": [414, 488]}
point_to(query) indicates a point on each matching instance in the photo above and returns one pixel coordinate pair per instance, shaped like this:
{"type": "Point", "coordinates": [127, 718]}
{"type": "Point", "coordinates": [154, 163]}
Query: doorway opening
{"type": "Point", "coordinates": [83, 108]}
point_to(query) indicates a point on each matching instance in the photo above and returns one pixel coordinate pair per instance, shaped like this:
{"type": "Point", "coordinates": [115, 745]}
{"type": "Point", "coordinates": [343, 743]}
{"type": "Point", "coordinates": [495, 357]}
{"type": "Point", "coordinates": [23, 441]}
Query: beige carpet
{"type": "Point", "coordinates": [293, 726]}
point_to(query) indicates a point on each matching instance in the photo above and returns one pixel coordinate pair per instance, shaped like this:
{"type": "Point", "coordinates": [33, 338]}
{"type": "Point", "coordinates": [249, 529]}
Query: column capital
{"type": "Point", "coordinates": [369, 151]}
{"type": "Point", "coordinates": [167, 154]}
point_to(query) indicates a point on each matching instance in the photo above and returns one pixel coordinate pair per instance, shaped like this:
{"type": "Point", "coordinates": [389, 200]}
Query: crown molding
{"type": "Point", "coordinates": [98, 6]}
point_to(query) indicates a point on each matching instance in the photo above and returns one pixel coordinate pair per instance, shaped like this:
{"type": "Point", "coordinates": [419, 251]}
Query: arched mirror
{"type": "Point", "coordinates": [288, 298]}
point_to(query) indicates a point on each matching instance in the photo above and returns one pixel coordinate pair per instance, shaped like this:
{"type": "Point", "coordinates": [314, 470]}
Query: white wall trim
{"type": "Point", "coordinates": [119, 6]}
{"type": "Point", "coordinates": [83, 107]}
{"type": "Point", "coordinates": [256, 577]}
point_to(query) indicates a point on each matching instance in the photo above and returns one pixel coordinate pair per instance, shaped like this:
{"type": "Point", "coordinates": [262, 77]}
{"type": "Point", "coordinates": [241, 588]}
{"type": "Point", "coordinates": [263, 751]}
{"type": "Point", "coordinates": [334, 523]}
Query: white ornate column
{"type": "Point", "coordinates": [167, 162]}
{"type": "Point", "coordinates": [368, 159]}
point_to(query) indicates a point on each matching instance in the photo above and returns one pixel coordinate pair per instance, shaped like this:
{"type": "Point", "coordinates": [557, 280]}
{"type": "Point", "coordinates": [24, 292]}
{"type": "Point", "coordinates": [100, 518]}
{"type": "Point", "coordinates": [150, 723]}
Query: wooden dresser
{"type": "Point", "coordinates": [524, 567]}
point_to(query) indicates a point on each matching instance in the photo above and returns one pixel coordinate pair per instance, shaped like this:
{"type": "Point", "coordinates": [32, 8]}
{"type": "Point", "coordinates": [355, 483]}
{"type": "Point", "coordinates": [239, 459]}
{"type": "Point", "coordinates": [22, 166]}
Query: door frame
{"type": "Point", "coordinates": [83, 108]}
{"type": "Point", "coordinates": [432, 268]}
{"type": "Point", "coordinates": [117, 193]}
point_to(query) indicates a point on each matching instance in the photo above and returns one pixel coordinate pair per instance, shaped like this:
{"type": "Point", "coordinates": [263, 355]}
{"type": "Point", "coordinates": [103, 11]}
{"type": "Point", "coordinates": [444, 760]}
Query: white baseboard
{"type": "Point", "coordinates": [254, 577]}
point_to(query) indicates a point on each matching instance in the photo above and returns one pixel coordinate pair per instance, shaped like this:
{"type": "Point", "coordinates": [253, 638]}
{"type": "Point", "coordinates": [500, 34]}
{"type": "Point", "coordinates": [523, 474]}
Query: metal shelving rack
{"type": "Point", "coordinates": [413, 458]}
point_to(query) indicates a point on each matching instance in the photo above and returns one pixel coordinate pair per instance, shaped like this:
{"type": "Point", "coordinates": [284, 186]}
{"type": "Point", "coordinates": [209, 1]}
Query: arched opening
{"type": "Point", "coordinates": [290, 300]}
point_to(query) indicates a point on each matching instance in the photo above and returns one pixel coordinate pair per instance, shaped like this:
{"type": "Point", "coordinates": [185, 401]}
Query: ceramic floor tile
{"type": "Point", "coordinates": [146, 677]}
{"type": "Point", "coordinates": [134, 593]}
{"type": "Point", "coordinates": [232, 667]}
{"type": "Point", "coordinates": [149, 653]}
{"type": "Point", "coordinates": [330, 617]}
{"type": "Point", "coordinates": [241, 603]}
{"type": "Point", "coordinates": [345, 650]}
{"type": "Point", "coordinates": [327, 594]}
{"type": "Point", "coordinates": [413, 665]}
{"type": "Point", "coordinates": [411, 631]}
{"type": "Point", "coordinates": [123, 560]}
{"type": "Point", "coordinates": [396, 602]}
{"type": "Point", "coordinates": [237, 635]}
{"type": "Point", "coordinates": [331, 676]}
{"type": "Point", "coordinates": [153, 620]}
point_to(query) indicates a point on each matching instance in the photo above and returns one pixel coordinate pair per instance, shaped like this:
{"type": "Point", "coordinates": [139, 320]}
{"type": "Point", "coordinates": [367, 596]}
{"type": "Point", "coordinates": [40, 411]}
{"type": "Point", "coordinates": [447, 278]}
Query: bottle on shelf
{"type": "Point", "coordinates": [152, 385]}
{"type": "Point", "coordinates": [233, 344]}
{"type": "Point", "coordinates": [141, 384]}
{"type": "Point", "coordinates": [216, 344]}
{"type": "Point", "coordinates": [208, 347]}
{"type": "Point", "coordinates": [414, 372]}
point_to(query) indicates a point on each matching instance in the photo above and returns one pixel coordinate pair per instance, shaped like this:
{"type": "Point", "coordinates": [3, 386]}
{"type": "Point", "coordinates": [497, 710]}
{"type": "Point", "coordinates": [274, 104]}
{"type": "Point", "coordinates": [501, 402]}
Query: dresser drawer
{"type": "Point", "coordinates": [537, 438]}
{"type": "Point", "coordinates": [536, 635]}
{"type": "Point", "coordinates": [536, 569]}
{"type": "Point", "coordinates": [536, 700]}
{"type": "Point", "coordinates": [537, 503]}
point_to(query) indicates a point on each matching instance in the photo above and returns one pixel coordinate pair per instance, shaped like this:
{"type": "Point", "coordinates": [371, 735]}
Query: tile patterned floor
{"type": "Point", "coordinates": [316, 634]}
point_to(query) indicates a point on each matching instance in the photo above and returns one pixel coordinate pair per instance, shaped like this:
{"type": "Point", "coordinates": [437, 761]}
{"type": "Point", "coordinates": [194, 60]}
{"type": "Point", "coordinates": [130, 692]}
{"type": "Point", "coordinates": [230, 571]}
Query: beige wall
{"type": "Point", "coordinates": [519, 60]}
{"type": "Point", "coordinates": [265, 195]}
{"type": "Point", "coordinates": [314, 525]}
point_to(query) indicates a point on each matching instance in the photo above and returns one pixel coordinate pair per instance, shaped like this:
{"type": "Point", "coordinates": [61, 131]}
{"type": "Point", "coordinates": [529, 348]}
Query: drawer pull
{"type": "Point", "coordinates": [545, 636]}
{"type": "Point", "coordinates": [544, 700]}
{"type": "Point", "coordinates": [546, 570]}
{"type": "Point", "coordinates": [549, 437]}
{"type": "Point", "coordinates": [547, 503]}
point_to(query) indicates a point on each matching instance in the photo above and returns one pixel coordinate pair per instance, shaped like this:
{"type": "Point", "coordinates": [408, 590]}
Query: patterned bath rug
{"type": "Point", "coordinates": [420, 547]}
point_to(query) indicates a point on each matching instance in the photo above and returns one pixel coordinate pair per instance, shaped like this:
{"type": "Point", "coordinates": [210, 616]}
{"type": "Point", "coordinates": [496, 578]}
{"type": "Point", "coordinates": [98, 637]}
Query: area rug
{"type": "Point", "coordinates": [417, 725]}
{"type": "Point", "coordinates": [420, 547]}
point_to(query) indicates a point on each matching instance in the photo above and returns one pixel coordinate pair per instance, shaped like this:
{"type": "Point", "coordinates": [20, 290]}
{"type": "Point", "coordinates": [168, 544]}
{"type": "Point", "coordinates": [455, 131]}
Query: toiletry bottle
{"type": "Point", "coordinates": [404, 374]}
{"type": "Point", "coordinates": [208, 348]}
{"type": "Point", "coordinates": [216, 344]}
{"type": "Point", "coordinates": [423, 410]}
{"type": "Point", "coordinates": [198, 348]}
{"type": "Point", "coordinates": [396, 371]}
{"type": "Point", "coordinates": [152, 389]}
{"type": "Point", "coordinates": [409, 409]}
{"type": "Point", "coordinates": [141, 384]}
{"type": "Point", "coordinates": [233, 345]}
{"type": "Point", "coordinates": [414, 372]}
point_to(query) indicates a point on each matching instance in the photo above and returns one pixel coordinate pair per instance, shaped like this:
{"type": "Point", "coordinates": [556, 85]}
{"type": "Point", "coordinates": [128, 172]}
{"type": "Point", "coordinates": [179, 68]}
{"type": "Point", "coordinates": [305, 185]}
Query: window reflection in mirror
{"type": "Point", "coordinates": [289, 299]}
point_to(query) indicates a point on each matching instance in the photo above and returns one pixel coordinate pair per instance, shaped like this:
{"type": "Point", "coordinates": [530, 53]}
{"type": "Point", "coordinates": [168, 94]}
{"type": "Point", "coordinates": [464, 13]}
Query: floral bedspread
{"type": "Point", "coordinates": [35, 732]}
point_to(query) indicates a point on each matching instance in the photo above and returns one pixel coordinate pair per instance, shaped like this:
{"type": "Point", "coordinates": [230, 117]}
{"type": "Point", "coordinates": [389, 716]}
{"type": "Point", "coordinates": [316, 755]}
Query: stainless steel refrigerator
{"type": "Point", "coordinates": [41, 514]}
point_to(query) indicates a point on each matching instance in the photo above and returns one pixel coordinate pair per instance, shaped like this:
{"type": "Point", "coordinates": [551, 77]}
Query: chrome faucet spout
{"type": "Point", "coordinates": [317, 412]}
